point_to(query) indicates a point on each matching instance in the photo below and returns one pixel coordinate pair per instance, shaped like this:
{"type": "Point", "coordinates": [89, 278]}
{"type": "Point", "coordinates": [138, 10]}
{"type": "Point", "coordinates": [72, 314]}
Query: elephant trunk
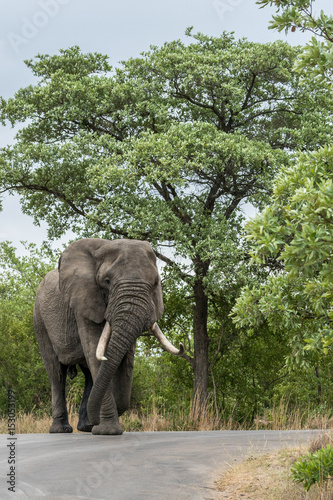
{"type": "Point", "coordinates": [129, 319]}
{"type": "Point", "coordinates": [117, 348]}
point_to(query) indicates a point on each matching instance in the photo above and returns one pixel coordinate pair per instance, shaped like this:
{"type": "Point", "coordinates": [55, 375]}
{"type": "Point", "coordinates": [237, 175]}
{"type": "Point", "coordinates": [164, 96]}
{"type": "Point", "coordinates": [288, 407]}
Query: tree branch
{"type": "Point", "coordinates": [213, 194]}
{"type": "Point", "coordinates": [165, 190]}
{"type": "Point", "coordinates": [63, 198]}
{"type": "Point", "coordinates": [249, 91]}
{"type": "Point", "coordinates": [184, 276]}
{"type": "Point", "coordinates": [270, 111]}
{"type": "Point", "coordinates": [198, 103]}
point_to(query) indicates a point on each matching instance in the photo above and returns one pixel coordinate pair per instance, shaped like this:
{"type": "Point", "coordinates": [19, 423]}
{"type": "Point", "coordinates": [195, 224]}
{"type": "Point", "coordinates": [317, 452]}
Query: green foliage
{"type": "Point", "coordinates": [293, 235]}
{"type": "Point", "coordinates": [155, 377]}
{"type": "Point", "coordinates": [295, 232]}
{"type": "Point", "coordinates": [317, 56]}
{"type": "Point", "coordinates": [21, 367]}
{"type": "Point", "coordinates": [314, 468]}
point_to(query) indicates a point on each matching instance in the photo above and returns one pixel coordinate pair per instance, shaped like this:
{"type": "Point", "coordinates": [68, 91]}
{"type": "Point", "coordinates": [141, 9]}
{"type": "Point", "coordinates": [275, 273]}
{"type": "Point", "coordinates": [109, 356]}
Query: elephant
{"type": "Point", "coordinates": [90, 312]}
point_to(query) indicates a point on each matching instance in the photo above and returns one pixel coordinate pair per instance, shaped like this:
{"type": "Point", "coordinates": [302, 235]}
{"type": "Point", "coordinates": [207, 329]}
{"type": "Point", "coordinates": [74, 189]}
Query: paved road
{"type": "Point", "coordinates": [134, 466]}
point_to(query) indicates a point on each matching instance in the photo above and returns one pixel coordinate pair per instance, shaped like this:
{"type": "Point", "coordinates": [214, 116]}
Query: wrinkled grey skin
{"type": "Point", "coordinates": [96, 281]}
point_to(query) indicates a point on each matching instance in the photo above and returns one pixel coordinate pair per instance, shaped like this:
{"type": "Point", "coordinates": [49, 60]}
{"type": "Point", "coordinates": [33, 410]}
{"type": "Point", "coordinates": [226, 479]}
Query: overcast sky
{"type": "Point", "coordinates": [120, 29]}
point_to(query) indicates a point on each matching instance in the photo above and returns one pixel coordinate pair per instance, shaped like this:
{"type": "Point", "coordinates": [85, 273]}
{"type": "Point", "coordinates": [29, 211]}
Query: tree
{"type": "Point", "coordinates": [295, 231]}
{"type": "Point", "coordinates": [165, 148]}
{"type": "Point", "coordinates": [317, 56]}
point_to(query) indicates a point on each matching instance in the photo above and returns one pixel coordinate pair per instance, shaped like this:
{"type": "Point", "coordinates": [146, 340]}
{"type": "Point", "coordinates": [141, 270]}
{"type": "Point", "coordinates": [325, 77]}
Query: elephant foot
{"type": "Point", "coordinates": [57, 427]}
{"type": "Point", "coordinates": [84, 427]}
{"type": "Point", "coordinates": [107, 428]}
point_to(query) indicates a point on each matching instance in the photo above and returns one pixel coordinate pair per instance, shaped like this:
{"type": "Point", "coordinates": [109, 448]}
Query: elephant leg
{"type": "Point", "coordinates": [84, 425]}
{"type": "Point", "coordinates": [59, 410]}
{"type": "Point", "coordinates": [57, 373]}
{"type": "Point", "coordinates": [122, 382]}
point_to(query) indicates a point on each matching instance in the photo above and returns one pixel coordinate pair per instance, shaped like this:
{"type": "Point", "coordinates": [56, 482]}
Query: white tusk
{"type": "Point", "coordinates": [103, 340]}
{"type": "Point", "coordinates": [165, 343]}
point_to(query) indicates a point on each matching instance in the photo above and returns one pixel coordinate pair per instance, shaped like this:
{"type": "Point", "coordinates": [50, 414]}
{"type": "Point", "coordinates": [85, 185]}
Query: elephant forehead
{"type": "Point", "coordinates": [110, 250]}
{"type": "Point", "coordinates": [131, 247]}
{"type": "Point", "coordinates": [139, 252]}
{"type": "Point", "coordinates": [125, 252]}
{"type": "Point", "coordinates": [134, 265]}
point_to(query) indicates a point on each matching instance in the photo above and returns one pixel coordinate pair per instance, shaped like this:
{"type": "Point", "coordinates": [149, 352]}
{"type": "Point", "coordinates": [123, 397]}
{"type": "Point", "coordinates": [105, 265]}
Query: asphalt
{"type": "Point", "coordinates": [135, 466]}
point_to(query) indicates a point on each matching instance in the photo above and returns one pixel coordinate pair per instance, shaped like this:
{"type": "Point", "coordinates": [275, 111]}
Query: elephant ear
{"type": "Point", "coordinates": [157, 294]}
{"type": "Point", "coordinates": [158, 300]}
{"type": "Point", "coordinates": [77, 279]}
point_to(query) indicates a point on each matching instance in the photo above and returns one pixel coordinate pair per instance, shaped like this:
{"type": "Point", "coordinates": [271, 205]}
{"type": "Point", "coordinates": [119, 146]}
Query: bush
{"type": "Point", "coordinates": [313, 468]}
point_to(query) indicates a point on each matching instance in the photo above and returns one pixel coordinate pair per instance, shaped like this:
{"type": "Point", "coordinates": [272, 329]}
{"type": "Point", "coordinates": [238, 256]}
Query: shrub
{"type": "Point", "coordinates": [313, 468]}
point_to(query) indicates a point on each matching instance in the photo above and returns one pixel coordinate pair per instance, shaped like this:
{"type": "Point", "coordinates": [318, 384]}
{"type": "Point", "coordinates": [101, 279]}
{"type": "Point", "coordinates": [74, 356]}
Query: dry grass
{"type": "Point", "coordinates": [157, 421]}
{"type": "Point", "coordinates": [27, 423]}
{"type": "Point", "coordinates": [267, 477]}
{"type": "Point", "coordinates": [158, 418]}
{"type": "Point", "coordinates": [30, 423]}
{"type": "Point", "coordinates": [320, 441]}
{"type": "Point", "coordinates": [282, 417]}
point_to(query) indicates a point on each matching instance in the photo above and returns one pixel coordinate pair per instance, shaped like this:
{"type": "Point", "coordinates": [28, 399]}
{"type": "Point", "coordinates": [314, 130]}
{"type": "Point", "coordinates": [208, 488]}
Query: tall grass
{"type": "Point", "coordinates": [157, 416]}
{"type": "Point", "coordinates": [37, 422]}
{"type": "Point", "coordinates": [284, 416]}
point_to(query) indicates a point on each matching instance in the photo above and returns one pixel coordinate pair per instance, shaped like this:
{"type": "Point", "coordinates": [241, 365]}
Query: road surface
{"type": "Point", "coordinates": [134, 466]}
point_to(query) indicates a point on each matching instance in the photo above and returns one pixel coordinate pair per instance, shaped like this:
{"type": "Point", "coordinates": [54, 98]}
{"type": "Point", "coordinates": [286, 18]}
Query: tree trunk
{"type": "Point", "coordinates": [201, 342]}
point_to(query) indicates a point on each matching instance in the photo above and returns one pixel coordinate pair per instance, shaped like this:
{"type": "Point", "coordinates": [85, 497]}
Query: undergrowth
{"type": "Point", "coordinates": [157, 416]}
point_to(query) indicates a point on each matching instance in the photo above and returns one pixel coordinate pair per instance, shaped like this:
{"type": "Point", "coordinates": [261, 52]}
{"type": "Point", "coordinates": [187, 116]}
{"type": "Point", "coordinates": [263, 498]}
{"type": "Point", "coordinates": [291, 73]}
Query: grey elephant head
{"type": "Point", "coordinates": [116, 282]}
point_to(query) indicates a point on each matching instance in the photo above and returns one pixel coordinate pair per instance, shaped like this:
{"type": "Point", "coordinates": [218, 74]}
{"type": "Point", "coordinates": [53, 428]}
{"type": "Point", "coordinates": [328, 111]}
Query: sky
{"type": "Point", "coordinates": [120, 30]}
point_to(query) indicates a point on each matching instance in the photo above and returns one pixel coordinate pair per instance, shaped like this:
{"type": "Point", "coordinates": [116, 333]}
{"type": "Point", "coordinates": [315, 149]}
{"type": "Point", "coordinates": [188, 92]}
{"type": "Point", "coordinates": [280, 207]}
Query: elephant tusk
{"type": "Point", "coordinates": [103, 340]}
{"type": "Point", "coordinates": [165, 343]}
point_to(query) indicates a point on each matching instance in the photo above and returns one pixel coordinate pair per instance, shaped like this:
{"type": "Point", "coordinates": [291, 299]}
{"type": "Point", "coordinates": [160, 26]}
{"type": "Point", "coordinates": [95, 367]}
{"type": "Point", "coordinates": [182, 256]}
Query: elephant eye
{"type": "Point", "coordinates": [156, 283]}
{"type": "Point", "coordinates": [107, 281]}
